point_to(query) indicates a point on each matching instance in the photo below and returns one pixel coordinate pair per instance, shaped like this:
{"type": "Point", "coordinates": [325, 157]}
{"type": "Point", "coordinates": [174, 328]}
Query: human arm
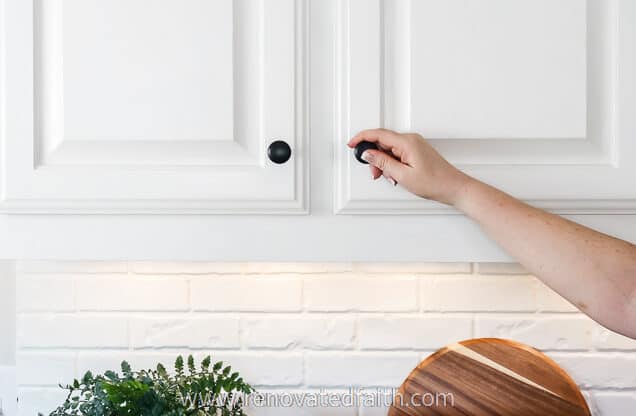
{"type": "Point", "coordinates": [594, 271]}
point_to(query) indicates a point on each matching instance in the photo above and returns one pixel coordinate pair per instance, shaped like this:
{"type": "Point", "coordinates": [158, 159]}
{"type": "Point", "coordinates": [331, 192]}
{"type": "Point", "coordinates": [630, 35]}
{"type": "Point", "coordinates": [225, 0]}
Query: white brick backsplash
{"type": "Point", "coordinates": [298, 326]}
{"type": "Point", "coordinates": [422, 332]}
{"type": "Point", "coordinates": [423, 268]}
{"type": "Point", "coordinates": [604, 339]}
{"type": "Point", "coordinates": [500, 268]}
{"type": "Point", "coordinates": [478, 293]}
{"type": "Point", "coordinates": [71, 331]}
{"type": "Point", "coordinates": [185, 332]}
{"type": "Point", "coordinates": [357, 293]}
{"type": "Point", "coordinates": [358, 369]}
{"type": "Point", "coordinates": [613, 403]}
{"type": "Point", "coordinates": [35, 400]}
{"type": "Point", "coordinates": [98, 362]}
{"type": "Point", "coordinates": [246, 293]}
{"type": "Point", "coordinates": [301, 331]}
{"type": "Point", "coordinates": [45, 293]}
{"type": "Point", "coordinates": [594, 370]}
{"type": "Point", "coordinates": [308, 268]}
{"type": "Point", "coordinates": [165, 267]}
{"type": "Point", "coordinates": [44, 266]}
{"type": "Point", "coordinates": [147, 293]}
{"type": "Point", "coordinates": [545, 333]}
{"type": "Point", "coordinates": [236, 268]}
{"type": "Point", "coordinates": [258, 368]}
{"type": "Point", "coordinates": [266, 368]}
{"type": "Point", "coordinates": [550, 301]}
{"type": "Point", "coordinates": [45, 368]}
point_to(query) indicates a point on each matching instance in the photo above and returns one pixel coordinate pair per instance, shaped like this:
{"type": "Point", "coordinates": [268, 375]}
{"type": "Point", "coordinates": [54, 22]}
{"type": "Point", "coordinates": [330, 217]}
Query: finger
{"type": "Point", "coordinates": [398, 152]}
{"type": "Point", "coordinates": [386, 163]}
{"type": "Point", "coordinates": [375, 172]}
{"type": "Point", "coordinates": [383, 146]}
{"type": "Point", "coordinates": [383, 137]}
{"type": "Point", "coordinates": [390, 151]}
{"type": "Point", "coordinates": [389, 179]}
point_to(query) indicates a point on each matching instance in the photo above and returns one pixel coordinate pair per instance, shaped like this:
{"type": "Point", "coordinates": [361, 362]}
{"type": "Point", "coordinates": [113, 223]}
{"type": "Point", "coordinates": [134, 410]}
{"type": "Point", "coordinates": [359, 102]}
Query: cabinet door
{"type": "Point", "coordinates": [536, 97]}
{"type": "Point", "coordinates": [164, 106]}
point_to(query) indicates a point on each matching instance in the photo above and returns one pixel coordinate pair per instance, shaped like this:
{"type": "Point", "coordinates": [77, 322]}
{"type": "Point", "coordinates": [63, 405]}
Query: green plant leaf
{"type": "Point", "coordinates": [154, 392]}
{"type": "Point", "coordinates": [191, 366]}
{"type": "Point", "coordinates": [178, 365]}
{"type": "Point", "coordinates": [111, 375]}
{"type": "Point", "coordinates": [161, 371]}
{"type": "Point", "coordinates": [205, 364]}
{"type": "Point", "coordinates": [125, 368]}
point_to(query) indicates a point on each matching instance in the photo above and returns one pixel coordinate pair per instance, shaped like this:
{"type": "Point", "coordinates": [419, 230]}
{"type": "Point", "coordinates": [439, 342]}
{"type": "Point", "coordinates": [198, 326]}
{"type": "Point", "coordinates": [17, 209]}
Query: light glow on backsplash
{"type": "Point", "coordinates": [296, 326]}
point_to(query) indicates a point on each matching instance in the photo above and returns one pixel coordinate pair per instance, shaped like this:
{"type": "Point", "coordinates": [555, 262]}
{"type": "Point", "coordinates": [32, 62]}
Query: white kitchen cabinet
{"type": "Point", "coordinates": [535, 97]}
{"type": "Point", "coordinates": [143, 106]}
{"type": "Point", "coordinates": [165, 109]}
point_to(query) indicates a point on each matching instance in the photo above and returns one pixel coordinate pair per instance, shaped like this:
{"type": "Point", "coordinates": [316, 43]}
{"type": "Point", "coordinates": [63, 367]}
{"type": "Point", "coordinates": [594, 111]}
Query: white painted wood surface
{"type": "Point", "coordinates": [8, 390]}
{"type": "Point", "coordinates": [162, 107]}
{"type": "Point", "coordinates": [581, 160]}
{"type": "Point", "coordinates": [7, 313]}
{"type": "Point", "coordinates": [527, 95]}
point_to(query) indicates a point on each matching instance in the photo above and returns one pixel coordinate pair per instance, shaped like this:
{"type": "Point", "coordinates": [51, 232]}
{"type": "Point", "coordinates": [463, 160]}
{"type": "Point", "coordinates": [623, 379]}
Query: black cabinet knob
{"type": "Point", "coordinates": [279, 152]}
{"type": "Point", "coordinates": [361, 148]}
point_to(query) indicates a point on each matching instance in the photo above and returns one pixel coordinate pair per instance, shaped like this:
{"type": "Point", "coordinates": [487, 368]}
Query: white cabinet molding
{"type": "Point", "coordinates": [129, 140]}
{"type": "Point", "coordinates": [101, 117]}
{"type": "Point", "coordinates": [531, 96]}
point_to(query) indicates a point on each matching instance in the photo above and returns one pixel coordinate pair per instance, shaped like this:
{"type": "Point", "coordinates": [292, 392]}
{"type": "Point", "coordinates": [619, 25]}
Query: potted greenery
{"type": "Point", "coordinates": [210, 390]}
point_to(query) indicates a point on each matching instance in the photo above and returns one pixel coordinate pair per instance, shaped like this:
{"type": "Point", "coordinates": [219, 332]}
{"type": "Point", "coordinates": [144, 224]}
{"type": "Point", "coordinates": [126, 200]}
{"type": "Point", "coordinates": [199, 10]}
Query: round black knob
{"type": "Point", "coordinates": [361, 148]}
{"type": "Point", "coordinates": [279, 152]}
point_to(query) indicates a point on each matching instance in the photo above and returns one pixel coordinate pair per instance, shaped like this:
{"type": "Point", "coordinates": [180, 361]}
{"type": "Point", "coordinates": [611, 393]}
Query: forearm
{"type": "Point", "coordinates": [595, 272]}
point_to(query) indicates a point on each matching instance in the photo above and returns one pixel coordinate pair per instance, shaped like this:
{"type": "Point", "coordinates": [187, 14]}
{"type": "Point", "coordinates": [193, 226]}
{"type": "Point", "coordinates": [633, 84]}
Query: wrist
{"type": "Point", "coordinates": [465, 187]}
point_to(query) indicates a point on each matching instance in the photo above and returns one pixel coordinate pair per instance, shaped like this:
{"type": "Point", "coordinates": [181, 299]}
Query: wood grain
{"type": "Point", "coordinates": [488, 376]}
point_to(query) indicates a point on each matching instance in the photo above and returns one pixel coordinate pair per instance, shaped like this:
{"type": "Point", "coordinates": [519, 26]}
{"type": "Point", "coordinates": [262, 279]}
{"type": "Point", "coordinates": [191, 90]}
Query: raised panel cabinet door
{"type": "Point", "coordinates": [163, 106]}
{"type": "Point", "coordinates": [536, 97]}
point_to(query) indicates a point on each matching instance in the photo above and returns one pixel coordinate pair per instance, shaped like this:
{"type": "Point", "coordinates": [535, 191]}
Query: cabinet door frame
{"type": "Point", "coordinates": [28, 186]}
{"type": "Point", "coordinates": [373, 91]}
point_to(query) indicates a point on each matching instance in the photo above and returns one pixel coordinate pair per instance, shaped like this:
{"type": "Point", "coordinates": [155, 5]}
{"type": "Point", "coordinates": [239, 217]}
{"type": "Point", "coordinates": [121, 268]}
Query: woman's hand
{"type": "Point", "coordinates": [409, 160]}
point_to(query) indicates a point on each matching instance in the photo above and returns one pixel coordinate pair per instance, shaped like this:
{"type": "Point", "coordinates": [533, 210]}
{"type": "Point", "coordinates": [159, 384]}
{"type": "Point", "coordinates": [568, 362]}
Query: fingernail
{"type": "Point", "coordinates": [367, 157]}
{"type": "Point", "coordinates": [391, 180]}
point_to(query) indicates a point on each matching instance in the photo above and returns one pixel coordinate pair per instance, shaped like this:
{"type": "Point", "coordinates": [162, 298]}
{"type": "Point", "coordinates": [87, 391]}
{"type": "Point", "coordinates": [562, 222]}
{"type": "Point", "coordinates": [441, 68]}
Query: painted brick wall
{"type": "Point", "coordinates": [300, 327]}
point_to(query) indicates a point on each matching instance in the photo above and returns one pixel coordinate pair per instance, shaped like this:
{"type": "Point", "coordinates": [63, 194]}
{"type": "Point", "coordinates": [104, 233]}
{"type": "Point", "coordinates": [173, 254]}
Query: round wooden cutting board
{"type": "Point", "coordinates": [489, 376]}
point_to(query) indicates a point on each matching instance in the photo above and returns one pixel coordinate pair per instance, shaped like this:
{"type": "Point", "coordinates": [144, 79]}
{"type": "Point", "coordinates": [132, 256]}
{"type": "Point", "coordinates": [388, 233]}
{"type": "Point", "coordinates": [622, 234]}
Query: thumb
{"type": "Point", "coordinates": [386, 163]}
